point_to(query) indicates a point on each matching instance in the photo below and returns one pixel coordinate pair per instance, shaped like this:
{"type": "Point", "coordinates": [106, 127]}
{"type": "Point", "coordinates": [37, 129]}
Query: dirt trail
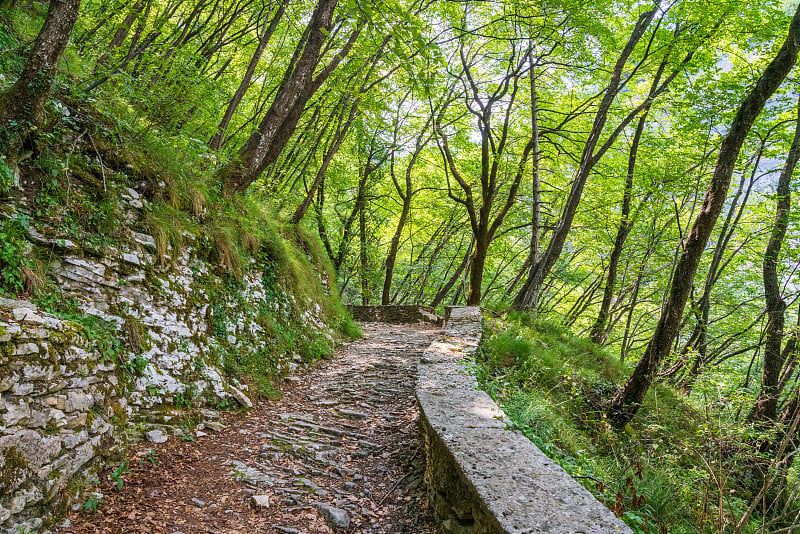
{"type": "Point", "coordinates": [342, 442]}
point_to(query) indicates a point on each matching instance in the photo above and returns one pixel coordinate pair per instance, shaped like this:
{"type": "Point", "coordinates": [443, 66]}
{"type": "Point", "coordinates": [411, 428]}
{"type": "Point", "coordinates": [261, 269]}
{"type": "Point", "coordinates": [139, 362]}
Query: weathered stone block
{"type": "Point", "coordinates": [26, 315]}
{"type": "Point", "coordinates": [23, 349]}
{"type": "Point", "coordinates": [17, 413]}
{"type": "Point", "coordinates": [483, 477]}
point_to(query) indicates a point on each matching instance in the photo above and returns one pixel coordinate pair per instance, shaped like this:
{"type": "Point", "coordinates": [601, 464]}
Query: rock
{"type": "Point", "coordinates": [200, 434]}
{"type": "Point", "coordinates": [23, 349]}
{"type": "Point", "coordinates": [249, 475]}
{"type": "Point", "coordinates": [156, 436]}
{"type": "Point", "coordinates": [287, 530]}
{"type": "Point", "coordinates": [198, 502]}
{"type": "Point", "coordinates": [216, 426]}
{"type": "Point", "coordinates": [335, 517]}
{"type": "Point", "coordinates": [27, 315]}
{"type": "Point", "coordinates": [260, 501]}
{"type": "Point", "coordinates": [133, 259]}
{"type": "Point", "coordinates": [240, 397]}
{"type": "Point", "coordinates": [350, 414]}
{"type": "Point", "coordinates": [145, 240]}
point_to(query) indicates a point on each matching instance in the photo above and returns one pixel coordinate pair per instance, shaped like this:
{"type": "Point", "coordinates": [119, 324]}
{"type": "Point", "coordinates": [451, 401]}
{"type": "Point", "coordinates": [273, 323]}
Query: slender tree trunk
{"type": "Point", "coordinates": [767, 401]}
{"type": "Point", "coordinates": [628, 399]}
{"type": "Point", "coordinates": [339, 137]}
{"type": "Point", "coordinates": [535, 180]}
{"type": "Point", "coordinates": [122, 32]}
{"type": "Point", "coordinates": [363, 256]}
{"type": "Point", "coordinates": [23, 103]}
{"type": "Point", "coordinates": [453, 279]}
{"type": "Point", "coordinates": [406, 196]}
{"type": "Point", "coordinates": [599, 329]}
{"type": "Point", "coordinates": [263, 40]}
{"type": "Point", "coordinates": [298, 86]}
{"type": "Point", "coordinates": [394, 246]}
{"type": "Point", "coordinates": [477, 266]}
{"type": "Point", "coordinates": [540, 269]}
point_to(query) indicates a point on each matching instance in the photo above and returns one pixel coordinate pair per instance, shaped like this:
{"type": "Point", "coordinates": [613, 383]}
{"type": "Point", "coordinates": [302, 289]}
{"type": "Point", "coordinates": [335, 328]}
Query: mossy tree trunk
{"type": "Point", "coordinates": [767, 401]}
{"type": "Point", "coordinates": [22, 105]}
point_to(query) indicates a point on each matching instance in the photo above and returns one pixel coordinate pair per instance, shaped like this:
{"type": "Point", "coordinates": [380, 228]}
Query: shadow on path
{"type": "Point", "coordinates": [342, 444]}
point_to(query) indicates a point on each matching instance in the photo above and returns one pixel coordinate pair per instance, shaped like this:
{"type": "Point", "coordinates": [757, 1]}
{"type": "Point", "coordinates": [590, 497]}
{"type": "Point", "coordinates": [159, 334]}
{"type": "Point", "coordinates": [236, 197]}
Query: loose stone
{"type": "Point", "coordinates": [156, 436]}
{"type": "Point", "coordinates": [260, 501]}
{"type": "Point", "coordinates": [335, 517]}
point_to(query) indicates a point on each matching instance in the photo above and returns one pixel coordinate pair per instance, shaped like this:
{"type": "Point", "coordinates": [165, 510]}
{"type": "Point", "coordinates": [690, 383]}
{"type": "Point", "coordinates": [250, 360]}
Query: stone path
{"type": "Point", "coordinates": [338, 452]}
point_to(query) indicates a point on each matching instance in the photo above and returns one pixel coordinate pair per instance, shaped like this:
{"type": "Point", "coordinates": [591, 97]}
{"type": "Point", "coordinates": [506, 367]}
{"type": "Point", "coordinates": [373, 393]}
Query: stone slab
{"type": "Point", "coordinates": [483, 476]}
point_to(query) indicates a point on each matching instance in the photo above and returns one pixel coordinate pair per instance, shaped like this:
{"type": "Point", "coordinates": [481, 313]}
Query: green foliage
{"type": "Point", "coordinates": [150, 457]}
{"type": "Point", "coordinates": [552, 385]}
{"type": "Point", "coordinates": [92, 502]}
{"type": "Point", "coordinates": [6, 178]}
{"type": "Point", "coordinates": [118, 474]}
{"type": "Point", "coordinates": [14, 259]}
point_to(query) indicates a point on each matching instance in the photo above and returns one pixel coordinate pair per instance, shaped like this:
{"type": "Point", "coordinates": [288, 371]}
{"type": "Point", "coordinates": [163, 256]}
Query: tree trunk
{"type": "Point", "coordinates": [298, 86]}
{"type": "Point", "coordinates": [539, 270]}
{"type": "Point", "coordinates": [406, 196]}
{"type": "Point", "coordinates": [338, 138]}
{"type": "Point", "coordinates": [628, 399]}
{"type": "Point", "coordinates": [453, 279]}
{"type": "Point", "coordinates": [533, 256]}
{"type": "Point", "coordinates": [122, 32]}
{"type": "Point", "coordinates": [366, 295]}
{"type": "Point", "coordinates": [767, 401]}
{"type": "Point", "coordinates": [23, 103]}
{"type": "Point", "coordinates": [599, 329]}
{"type": "Point", "coordinates": [263, 40]}
{"type": "Point", "coordinates": [394, 246]}
{"type": "Point", "coordinates": [477, 265]}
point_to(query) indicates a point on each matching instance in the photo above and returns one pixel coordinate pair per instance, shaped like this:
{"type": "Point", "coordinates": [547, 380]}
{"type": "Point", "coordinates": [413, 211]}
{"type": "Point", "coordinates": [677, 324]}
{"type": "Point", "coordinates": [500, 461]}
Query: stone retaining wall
{"type": "Point", "coordinates": [67, 409]}
{"type": "Point", "coordinates": [394, 314]}
{"type": "Point", "coordinates": [483, 477]}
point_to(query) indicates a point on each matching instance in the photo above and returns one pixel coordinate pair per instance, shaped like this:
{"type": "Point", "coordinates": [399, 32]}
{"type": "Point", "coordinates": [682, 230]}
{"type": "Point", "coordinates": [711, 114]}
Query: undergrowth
{"type": "Point", "coordinates": [96, 151]}
{"type": "Point", "coordinates": [674, 469]}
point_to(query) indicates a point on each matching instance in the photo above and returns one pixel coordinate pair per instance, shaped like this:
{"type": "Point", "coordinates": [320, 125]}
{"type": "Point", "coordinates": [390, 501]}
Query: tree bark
{"type": "Point", "coordinates": [122, 32]}
{"type": "Point", "coordinates": [533, 255]}
{"type": "Point", "coordinates": [767, 401]}
{"type": "Point", "coordinates": [298, 86]}
{"type": "Point", "coordinates": [628, 399]}
{"type": "Point", "coordinates": [493, 145]}
{"type": "Point", "coordinates": [599, 329]}
{"type": "Point", "coordinates": [338, 137]}
{"type": "Point", "coordinates": [406, 196]}
{"type": "Point", "coordinates": [23, 103]}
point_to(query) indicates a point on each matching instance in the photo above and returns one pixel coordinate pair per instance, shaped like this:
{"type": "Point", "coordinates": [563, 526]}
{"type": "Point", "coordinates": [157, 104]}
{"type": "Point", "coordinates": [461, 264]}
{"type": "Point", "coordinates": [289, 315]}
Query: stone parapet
{"type": "Point", "coordinates": [483, 477]}
{"type": "Point", "coordinates": [395, 314]}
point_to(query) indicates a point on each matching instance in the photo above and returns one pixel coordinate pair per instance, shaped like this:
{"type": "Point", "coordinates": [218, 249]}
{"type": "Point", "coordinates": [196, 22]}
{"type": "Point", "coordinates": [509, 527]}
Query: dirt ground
{"type": "Point", "coordinates": [341, 442]}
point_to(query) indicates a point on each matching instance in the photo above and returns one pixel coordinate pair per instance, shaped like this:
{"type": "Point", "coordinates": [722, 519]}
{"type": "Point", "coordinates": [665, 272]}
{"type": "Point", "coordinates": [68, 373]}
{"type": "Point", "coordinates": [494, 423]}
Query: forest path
{"type": "Point", "coordinates": [342, 442]}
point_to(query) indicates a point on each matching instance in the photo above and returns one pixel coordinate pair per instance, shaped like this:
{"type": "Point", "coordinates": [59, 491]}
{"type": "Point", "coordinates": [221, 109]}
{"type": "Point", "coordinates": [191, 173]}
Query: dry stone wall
{"type": "Point", "coordinates": [483, 477]}
{"type": "Point", "coordinates": [395, 314]}
{"type": "Point", "coordinates": [68, 405]}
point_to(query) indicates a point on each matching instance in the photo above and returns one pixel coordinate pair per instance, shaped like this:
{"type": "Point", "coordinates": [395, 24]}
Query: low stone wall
{"type": "Point", "coordinates": [395, 314]}
{"type": "Point", "coordinates": [483, 477]}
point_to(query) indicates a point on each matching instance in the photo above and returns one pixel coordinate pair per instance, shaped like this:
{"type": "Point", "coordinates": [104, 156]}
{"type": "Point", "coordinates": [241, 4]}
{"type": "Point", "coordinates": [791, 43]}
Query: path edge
{"type": "Point", "coordinates": [481, 476]}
